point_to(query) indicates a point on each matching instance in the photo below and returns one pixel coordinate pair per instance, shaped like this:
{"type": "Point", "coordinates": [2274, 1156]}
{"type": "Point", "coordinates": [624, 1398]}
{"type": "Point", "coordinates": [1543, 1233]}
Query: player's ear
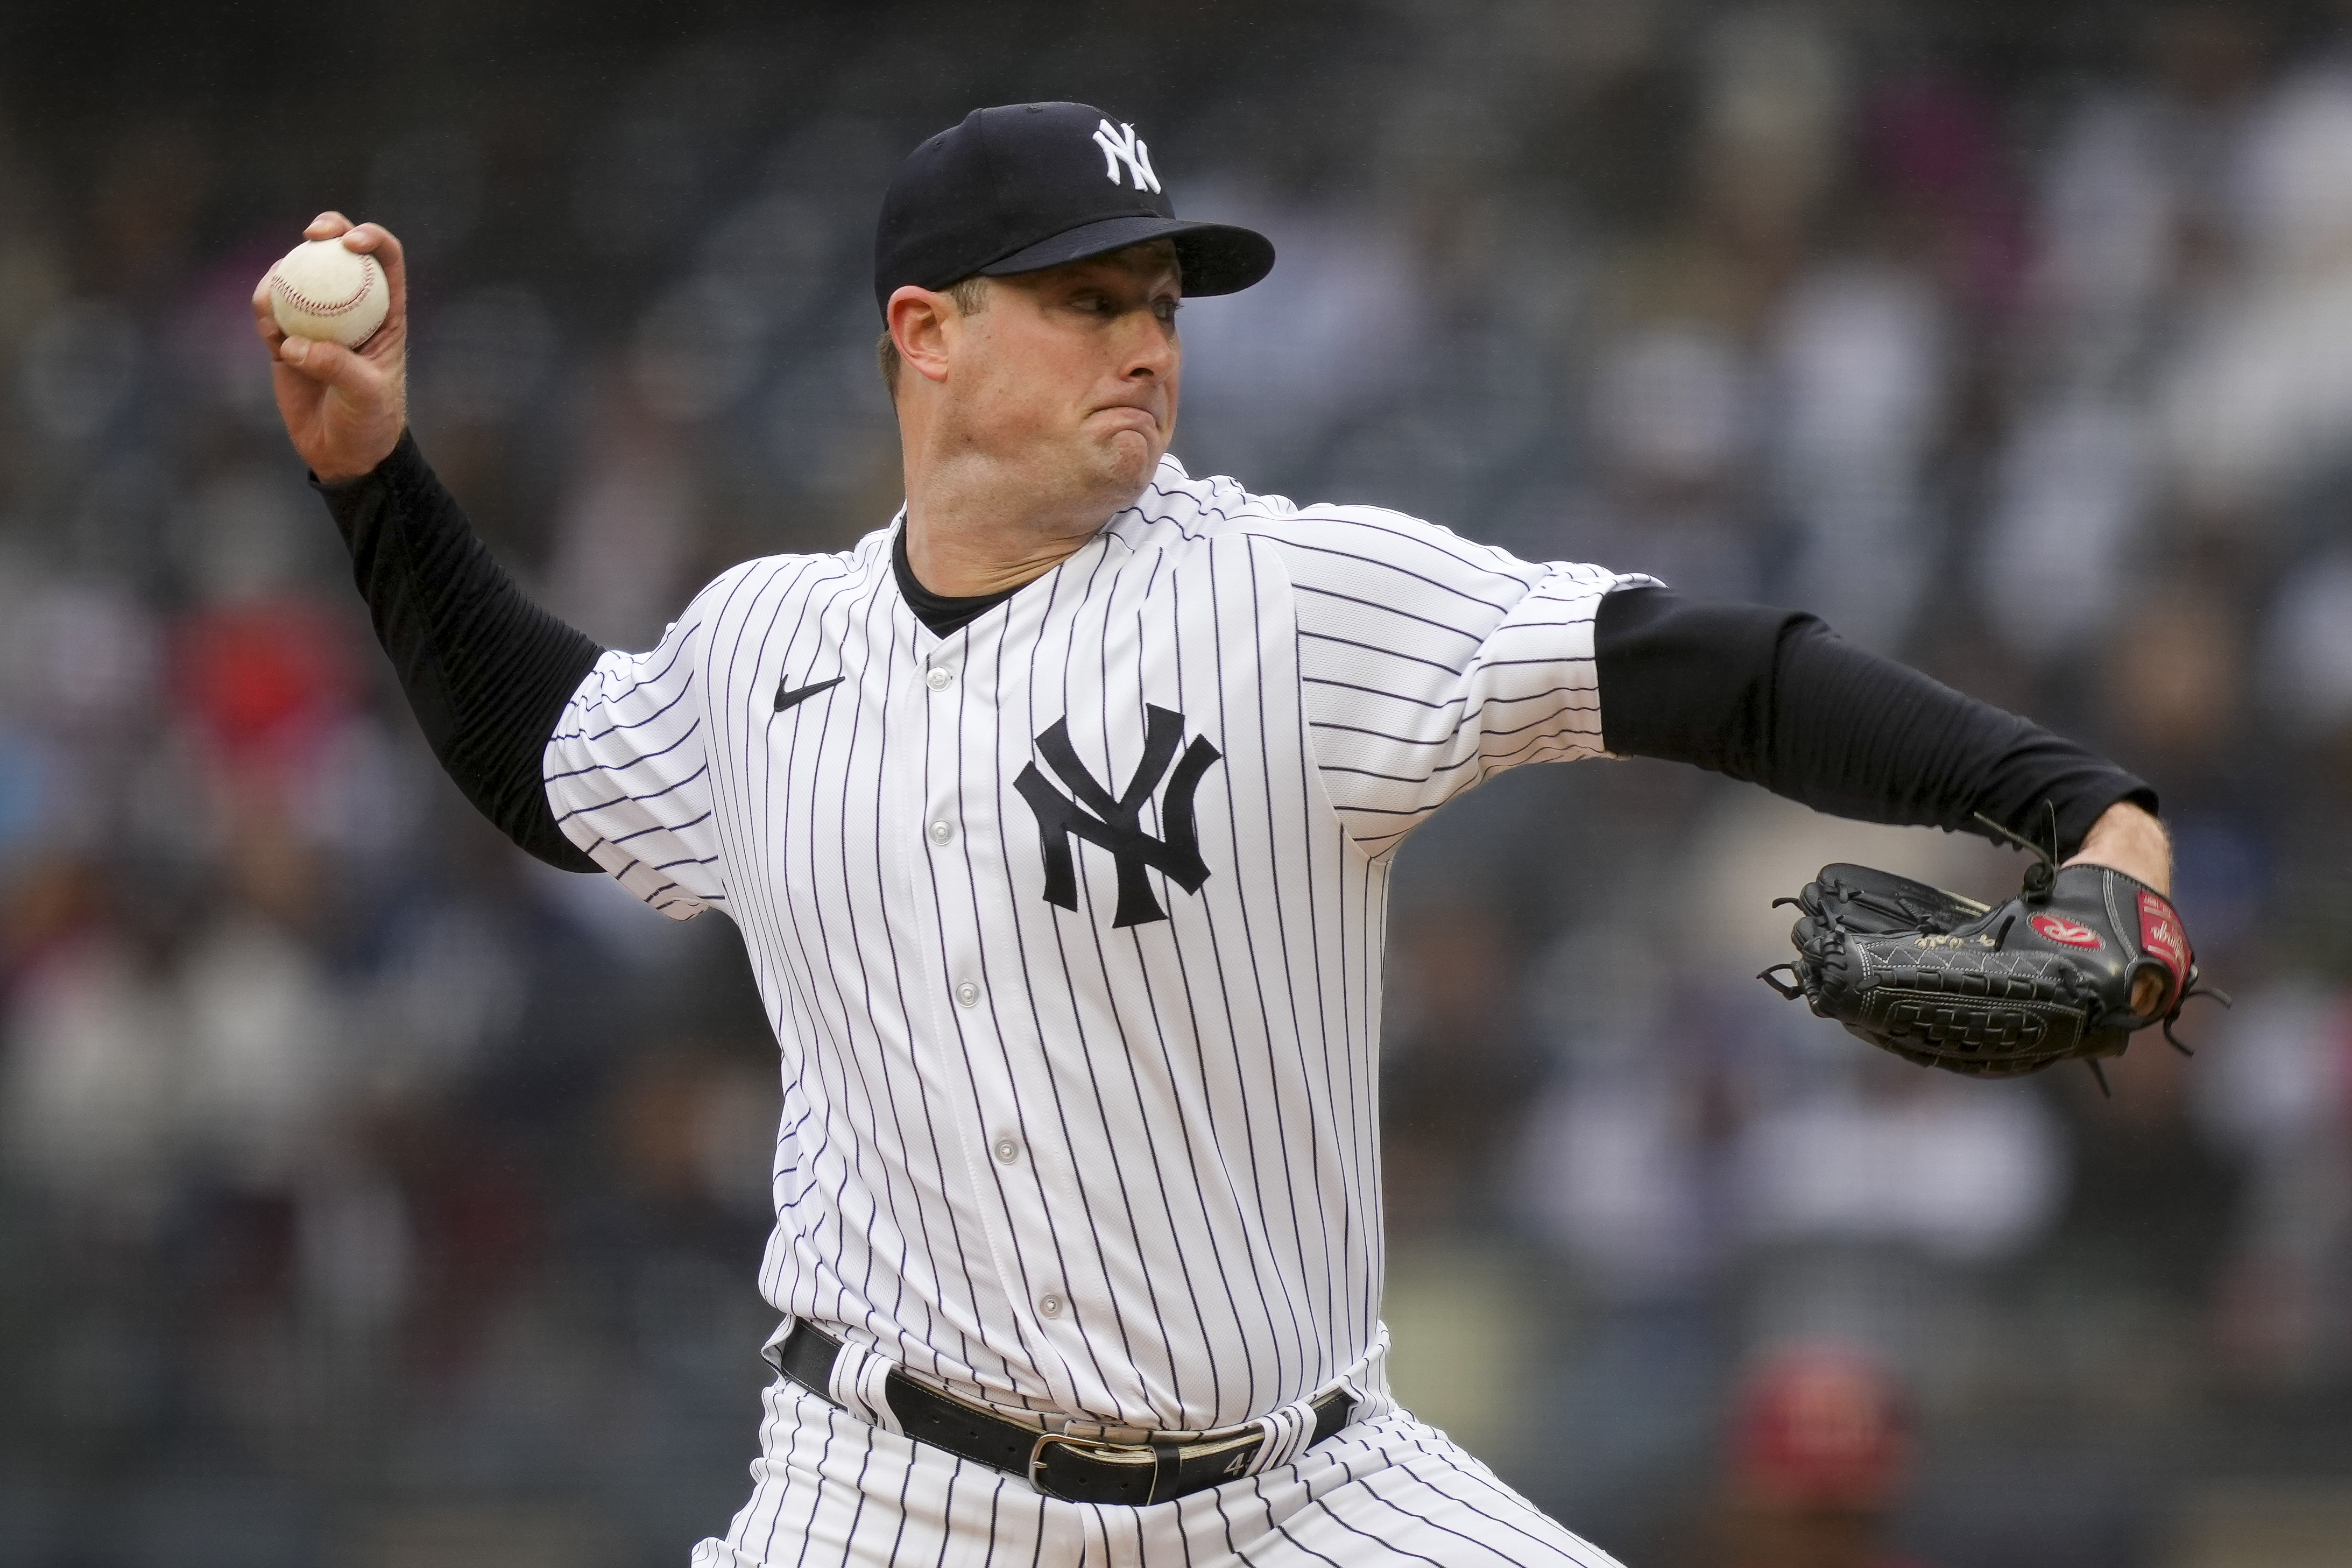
{"type": "Point", "coordinates": [919, 327]}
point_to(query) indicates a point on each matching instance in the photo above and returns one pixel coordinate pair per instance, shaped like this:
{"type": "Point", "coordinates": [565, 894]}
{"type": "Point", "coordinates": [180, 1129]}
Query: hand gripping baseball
{"type": "Point", "coordinates": [344, 409]}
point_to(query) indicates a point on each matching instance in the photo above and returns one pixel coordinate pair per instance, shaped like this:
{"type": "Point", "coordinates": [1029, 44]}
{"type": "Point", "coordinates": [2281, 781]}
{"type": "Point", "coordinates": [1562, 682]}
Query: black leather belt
{"type": "Point", "coordinates": [1075, 1470]}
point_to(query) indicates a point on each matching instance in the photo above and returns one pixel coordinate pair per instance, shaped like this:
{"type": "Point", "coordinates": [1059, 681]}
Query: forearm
{"type": "Point", "coordinates": [487, 671]}
{"type": "Point", "coordinates": [1777, 699]}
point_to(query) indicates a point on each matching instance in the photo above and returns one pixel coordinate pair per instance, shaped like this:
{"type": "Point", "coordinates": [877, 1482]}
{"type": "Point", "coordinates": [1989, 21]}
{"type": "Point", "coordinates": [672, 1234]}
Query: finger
{"type": "Point", "coordinates": [326, 225]}
{"type": "Point", "coordinates": [2148, 993]}
{"type": "Point", "coordinates": [265, 318]}
{"type": "Point", "coordinates": [330, 363]}
{"type": "Point", "coordinates": [380, 242]}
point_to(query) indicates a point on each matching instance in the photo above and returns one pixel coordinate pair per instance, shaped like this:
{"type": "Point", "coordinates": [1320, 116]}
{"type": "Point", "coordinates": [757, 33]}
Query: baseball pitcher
{"type": "Point", "coordinates": [1057, 817]}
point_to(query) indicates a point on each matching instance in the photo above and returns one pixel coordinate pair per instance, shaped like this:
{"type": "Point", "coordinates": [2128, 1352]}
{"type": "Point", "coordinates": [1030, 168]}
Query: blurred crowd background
{"type": "Point", "coordinates": [370, 1194]}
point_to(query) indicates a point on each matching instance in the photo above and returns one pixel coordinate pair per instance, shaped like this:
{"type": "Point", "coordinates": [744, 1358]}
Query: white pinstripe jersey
{"type": "Point", "coordinates": [1069, 922]}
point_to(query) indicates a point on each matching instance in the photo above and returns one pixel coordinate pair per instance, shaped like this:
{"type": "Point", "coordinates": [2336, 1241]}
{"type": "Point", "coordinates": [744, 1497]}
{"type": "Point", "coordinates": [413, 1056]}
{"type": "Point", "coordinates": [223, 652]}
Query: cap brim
{"type": "Point", "coordinates": [1217, 258]}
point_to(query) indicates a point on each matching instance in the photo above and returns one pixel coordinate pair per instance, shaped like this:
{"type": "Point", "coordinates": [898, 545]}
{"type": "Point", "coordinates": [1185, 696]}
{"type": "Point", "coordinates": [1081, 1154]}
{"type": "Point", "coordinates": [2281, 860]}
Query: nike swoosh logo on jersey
{"type": "Point", "coordinates": [795, 698]}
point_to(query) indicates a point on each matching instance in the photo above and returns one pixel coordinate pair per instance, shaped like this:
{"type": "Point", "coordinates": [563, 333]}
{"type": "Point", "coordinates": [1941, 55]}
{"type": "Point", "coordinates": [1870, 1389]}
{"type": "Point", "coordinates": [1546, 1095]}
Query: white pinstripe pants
{"type": "Point", "coordinates": [832, 1491]}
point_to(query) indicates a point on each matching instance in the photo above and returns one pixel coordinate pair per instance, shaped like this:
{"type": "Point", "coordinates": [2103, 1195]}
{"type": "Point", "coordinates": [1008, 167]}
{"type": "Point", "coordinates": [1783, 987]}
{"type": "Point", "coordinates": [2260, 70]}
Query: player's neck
{"type": "Point", "coordinates": [971, 530]}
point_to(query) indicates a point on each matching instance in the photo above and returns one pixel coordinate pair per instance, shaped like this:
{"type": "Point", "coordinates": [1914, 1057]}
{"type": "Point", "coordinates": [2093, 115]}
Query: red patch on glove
{"type": "Point", "coordinates": [2160, 933]}
{"type": "Point", "coordinates": [2065, 931]}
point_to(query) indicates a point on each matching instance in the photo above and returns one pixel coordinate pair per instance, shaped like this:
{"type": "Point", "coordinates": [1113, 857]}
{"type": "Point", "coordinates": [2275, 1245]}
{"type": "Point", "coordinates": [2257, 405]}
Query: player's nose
{"type": "Point", "coordinates": [1152, 351]}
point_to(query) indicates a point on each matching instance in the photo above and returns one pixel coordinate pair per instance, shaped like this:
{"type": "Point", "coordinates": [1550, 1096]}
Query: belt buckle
{"type": "Point", "coordinates": [1127, 1452]}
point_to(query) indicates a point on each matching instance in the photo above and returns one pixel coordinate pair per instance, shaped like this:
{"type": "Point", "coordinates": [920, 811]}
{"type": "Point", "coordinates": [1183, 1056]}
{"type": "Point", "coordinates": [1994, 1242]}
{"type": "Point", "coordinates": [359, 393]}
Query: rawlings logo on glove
{"type": "Point", "coordinates": [2069, 968]}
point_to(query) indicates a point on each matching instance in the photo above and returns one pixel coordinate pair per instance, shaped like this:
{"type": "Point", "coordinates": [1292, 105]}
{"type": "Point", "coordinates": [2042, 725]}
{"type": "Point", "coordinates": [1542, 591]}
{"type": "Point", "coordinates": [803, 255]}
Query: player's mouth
{"type": "Point", "coordinates": [1133, 413]}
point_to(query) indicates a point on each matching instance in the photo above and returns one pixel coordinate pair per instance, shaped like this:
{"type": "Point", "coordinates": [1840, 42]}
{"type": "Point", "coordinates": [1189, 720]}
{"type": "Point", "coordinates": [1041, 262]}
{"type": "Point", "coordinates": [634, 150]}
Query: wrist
{"type": "Point", "coordinates": [2128, 837]}
{"type": "Point", "coordinates": [344, 473]}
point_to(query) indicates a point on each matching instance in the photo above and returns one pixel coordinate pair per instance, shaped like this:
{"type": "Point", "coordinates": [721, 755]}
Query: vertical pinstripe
{"type": "Point", "coordinates": [1124, 1174]}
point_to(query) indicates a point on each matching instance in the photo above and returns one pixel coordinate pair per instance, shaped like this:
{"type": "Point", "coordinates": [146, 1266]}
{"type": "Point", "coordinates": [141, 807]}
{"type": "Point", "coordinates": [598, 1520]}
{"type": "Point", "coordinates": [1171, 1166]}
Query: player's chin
{"type": "Point", "coordinates": [1135, 455]}
{"type": "Point", "coordinates": [1125, 460]}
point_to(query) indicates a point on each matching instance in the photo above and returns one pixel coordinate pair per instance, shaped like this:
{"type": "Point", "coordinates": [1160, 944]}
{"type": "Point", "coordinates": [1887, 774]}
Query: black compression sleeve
{"type": "Point", "coordinates": [1774, 697]}
{"type": "Point", "coordinates": [488, 671]}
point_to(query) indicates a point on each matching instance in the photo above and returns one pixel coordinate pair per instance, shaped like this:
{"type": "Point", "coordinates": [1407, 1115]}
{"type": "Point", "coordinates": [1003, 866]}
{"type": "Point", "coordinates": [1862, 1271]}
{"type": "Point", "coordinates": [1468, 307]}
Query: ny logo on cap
{"type": "Point", "coordinates": [1115, 823]}
{"type": "Point", "coordinates": [1120, 145]}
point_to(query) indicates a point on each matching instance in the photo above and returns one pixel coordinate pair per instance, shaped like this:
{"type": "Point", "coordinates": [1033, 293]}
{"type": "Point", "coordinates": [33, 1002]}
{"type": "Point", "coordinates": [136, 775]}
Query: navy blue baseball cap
{"type": "Point", "coordinates": [1031, 186]}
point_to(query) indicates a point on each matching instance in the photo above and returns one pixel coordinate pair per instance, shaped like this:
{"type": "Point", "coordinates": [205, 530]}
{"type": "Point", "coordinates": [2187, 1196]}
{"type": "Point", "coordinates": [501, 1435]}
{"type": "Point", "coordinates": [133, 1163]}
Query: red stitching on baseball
{"type": "Point", "coordinates": [369, 272]}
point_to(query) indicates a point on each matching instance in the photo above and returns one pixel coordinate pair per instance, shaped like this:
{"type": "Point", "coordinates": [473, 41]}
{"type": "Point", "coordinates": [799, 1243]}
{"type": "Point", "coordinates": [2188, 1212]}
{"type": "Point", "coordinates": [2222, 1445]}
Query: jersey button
{"type": "Point", "coordinates": [968, 994]}
{"type": "Point", "coordinates": [937, 679]}
{"type": "Point", "coordinates": [1007, 1150]}
{"type": "Point", "coordinates": [941, 832]}
{"type": "Point", "coordinates": [1051, 1306]}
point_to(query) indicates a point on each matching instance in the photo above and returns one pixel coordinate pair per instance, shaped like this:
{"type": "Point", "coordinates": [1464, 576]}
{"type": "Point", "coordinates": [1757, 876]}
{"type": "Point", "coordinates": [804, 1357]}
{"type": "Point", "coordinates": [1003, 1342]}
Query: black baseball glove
{"type": "Point", "coordinates": [2069, 967]}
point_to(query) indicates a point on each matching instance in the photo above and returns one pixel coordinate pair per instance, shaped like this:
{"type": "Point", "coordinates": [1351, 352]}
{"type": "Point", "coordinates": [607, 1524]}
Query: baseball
{"type": "Point", "coordinates": [320, 290]}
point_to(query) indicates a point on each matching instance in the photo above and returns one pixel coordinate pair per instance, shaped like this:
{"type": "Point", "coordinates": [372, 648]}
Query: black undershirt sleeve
{"type": "Point", "coordinates": [1775, 698]}
{"type": "Point", "coordinates": [487, 672]}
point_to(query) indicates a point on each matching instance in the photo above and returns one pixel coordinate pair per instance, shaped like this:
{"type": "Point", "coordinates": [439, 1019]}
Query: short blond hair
{"type": "Point", "coordinates": [971, 297]}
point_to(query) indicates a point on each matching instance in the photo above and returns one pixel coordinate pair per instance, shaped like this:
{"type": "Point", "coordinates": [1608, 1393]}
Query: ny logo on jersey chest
{"type": "Point", "coordinates": [1116, 823]}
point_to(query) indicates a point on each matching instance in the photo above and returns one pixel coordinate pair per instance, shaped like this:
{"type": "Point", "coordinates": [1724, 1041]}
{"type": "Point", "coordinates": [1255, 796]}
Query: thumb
{"type": "Point", "coordinates": [331, 363]}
